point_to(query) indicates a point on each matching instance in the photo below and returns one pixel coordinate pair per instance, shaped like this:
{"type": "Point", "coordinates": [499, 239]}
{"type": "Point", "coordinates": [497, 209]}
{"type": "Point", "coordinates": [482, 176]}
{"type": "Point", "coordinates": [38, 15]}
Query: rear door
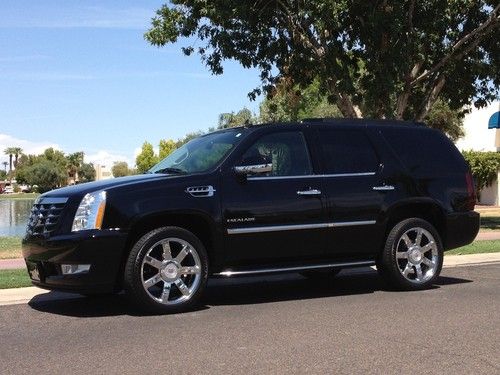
{"type": "Point", "coordinates": [354, 190]}
{"type": "Point", "coordinates": [275, 217]}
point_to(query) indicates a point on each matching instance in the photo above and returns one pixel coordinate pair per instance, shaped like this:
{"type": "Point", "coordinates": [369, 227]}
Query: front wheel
{"type": "Point", "coordinates": [166, 271]}
{"type": "Point", "coordinates": [413, 255]}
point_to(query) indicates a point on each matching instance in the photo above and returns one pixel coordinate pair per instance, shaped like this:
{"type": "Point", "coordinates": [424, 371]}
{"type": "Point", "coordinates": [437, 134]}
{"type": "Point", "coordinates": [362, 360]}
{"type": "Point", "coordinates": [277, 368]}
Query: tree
{"type": "Point", "coordinates": [3, 174]}
{"type": "Point", "coordinates": [242, 117]}
{"type": "Point", "coordinates": [167, 146]}
{"type": "Point", "coordinates": [5, 164]}
{"type": "Point", "coordinates": [16, 151]}
{"type": "Point", "coordinates": [146, 159]}
{"type": "Point", "coordinates": [188, 137]}
{"type": "Point", "coordinates": [74, 162]}
{"type": "Point", "coordinates": [46, 175]}
{"type": "Point", "coordinates": [384, 59]}
{"type": "Point", "coordinates": [120, 169]}
{"type": "Point", "coordinates": [86, 172]}
{"type": "Point", "coordinates": [289, 103]}
{"type": "Point", "coordinates": [10, 152]}
{"type": "Point", "coordinates": [443, 118]}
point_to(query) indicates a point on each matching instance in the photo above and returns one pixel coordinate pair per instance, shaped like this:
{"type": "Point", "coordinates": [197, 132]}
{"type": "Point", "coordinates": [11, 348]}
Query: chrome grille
{"type": "Point", "coordinates": [45, 215]}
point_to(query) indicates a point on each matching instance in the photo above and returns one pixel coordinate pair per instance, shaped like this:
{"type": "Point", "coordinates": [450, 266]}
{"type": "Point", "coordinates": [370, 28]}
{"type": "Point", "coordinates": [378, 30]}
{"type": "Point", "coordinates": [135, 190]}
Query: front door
{"type": "Point", "coordinates": [274, 217]}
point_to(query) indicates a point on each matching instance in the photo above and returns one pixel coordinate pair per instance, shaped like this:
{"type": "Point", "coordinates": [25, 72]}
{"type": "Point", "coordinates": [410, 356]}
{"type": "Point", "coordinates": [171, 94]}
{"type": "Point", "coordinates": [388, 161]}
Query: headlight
{"type": "Point", "coordinates": [90, 213]}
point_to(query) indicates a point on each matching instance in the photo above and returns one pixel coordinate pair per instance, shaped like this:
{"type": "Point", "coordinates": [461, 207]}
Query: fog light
{"type": "Point", "coordinates": [73, 269]}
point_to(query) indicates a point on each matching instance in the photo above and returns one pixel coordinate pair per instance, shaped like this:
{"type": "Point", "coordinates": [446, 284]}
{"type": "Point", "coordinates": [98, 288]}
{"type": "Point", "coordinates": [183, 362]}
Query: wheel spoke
{"type": "Point", "coordinates": [401, 255]}
{"type": "Point", "coordinates": [407, 240]}
{"type": "Point", "coordinates": [182, 254]}
{"type": "Point", "coordinates": [152, 281]}
{"type": "Point", "coordinates": [153, 262]}
{"type": "Point", "coordinates": [166, 292]}
{"type": "Point", "coordinates": [429, 263]}
{"type": "Point", "coordinates": [182, 287]}
{"type": "Point", "coordinates": [418, 239]}
{"type": "Point", "coordinates": [192, 270]}
{"type": "Point", "coordinates": [167, 252]}
{"type": "Point", "coordinates": [429, 246]}
{"type": "Point", "coordinates": [419, 272]}
{"type": "Point", "coordinates": [407, 270]}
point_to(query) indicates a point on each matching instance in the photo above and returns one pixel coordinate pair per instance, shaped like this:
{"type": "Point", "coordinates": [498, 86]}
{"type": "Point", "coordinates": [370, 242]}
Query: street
{"type": "Point", "coordinates": [277, 324]}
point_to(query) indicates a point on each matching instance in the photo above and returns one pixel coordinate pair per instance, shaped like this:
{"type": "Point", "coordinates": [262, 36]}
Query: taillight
{"type": "Point", "coordinates": [471, 191]}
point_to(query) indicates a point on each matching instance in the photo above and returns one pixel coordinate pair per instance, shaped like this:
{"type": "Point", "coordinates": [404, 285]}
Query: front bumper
{"type": "Point", "coordinates": [461, 229]}
{"type": "Point", "coordinates": [103, 250]}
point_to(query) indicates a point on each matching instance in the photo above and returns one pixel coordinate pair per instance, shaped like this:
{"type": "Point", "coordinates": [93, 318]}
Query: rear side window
{"type": "Point", "coordinates": [424, 151]}
{"type": "Point", "coordinates": [347, 151]}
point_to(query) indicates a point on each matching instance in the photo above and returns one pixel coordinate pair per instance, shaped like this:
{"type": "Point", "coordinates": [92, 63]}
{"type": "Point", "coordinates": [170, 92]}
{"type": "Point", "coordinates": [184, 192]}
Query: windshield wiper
{"type": "Point", "coordinates": [171, 170]}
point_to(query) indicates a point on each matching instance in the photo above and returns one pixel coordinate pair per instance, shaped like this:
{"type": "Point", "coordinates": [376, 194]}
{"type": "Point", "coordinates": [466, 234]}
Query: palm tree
{"type": "Point", "coordinates": [75, 162]}
{"type": "Point", "coordinates": [10, 151]}
{"type": "Point", "coordinates": [16, 151]}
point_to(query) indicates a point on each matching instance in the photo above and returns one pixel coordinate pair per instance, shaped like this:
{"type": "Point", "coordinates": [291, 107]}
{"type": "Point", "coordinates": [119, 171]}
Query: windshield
{"type": "Point", "coordinates": [199, 154]}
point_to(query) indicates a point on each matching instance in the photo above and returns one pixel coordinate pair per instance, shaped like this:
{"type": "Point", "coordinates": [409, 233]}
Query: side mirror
{"type": "Point", "coordinates": [245, 170]}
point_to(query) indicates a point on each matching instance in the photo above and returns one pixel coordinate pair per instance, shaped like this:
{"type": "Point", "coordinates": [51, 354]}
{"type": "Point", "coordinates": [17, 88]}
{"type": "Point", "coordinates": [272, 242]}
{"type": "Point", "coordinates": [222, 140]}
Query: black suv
{"type": "Point", "coordinates": [310, 197]}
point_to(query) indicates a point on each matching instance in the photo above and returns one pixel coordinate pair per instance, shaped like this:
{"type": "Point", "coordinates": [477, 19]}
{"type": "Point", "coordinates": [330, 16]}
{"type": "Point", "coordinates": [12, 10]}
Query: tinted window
{"type": "Point", "coordinates": [424, 151]}
{"type": "Point", "coordinates": [287, 151]}
{"type": "Point", "coordinates": [347, 151]}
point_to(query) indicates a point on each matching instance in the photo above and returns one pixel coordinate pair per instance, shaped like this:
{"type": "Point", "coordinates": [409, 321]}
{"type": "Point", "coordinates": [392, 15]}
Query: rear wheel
{"type": "Point", "coordinates": [166, 271]}
{"type": "Point", "coordinates": [413, 255]}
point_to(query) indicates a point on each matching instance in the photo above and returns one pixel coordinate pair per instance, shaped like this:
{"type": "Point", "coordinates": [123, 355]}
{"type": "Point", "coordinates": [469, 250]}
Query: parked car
{"type": "Point", "coordinates": [8, 189]}
{"type": "Point", "coordinates": [310, 197]}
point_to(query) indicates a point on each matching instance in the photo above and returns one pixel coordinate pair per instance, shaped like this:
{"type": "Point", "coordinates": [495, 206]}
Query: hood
{"type": "Point", "coordinates": [88, 187]}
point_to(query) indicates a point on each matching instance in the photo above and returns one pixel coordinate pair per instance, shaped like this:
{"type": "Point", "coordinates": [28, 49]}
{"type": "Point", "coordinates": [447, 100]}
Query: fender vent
{"type": "Point", "coordinates": [201, 191]}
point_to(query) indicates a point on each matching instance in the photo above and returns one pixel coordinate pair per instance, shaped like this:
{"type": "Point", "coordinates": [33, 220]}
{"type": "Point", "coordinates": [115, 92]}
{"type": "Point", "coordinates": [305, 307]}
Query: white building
{"type": "Point", "coordinates": [481, 135]}
{"type": "Point", "coordinates": [102, 172]}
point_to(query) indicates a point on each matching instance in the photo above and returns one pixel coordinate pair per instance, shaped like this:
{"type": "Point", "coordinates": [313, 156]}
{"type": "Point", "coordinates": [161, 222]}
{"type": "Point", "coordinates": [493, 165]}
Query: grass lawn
{"type": "Point", "coordinates": [14, 279]}
{"type": "Point", "coordinates": [478, 247]}
{"type": "Point", "coordinates": [10, 247]}
{"type": "Point", "coordinates": [19, 196]}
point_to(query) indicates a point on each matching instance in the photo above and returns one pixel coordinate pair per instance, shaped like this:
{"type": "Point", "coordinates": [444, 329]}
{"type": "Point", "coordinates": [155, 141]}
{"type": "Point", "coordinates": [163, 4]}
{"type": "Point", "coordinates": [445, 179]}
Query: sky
{"type": "Point", "coordinates": [79, 76]}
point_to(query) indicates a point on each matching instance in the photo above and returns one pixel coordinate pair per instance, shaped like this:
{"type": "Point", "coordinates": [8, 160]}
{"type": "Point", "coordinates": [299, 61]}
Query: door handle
{"type": "Point", "coordinates": [309, 192]}
{"type": "Point", "coordinates": [383, 188]}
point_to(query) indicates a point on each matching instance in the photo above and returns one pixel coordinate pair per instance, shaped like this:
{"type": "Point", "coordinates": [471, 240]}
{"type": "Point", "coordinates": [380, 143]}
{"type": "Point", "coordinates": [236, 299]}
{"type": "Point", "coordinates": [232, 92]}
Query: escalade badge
{"type": "Point", "coordinates": [241, 220]}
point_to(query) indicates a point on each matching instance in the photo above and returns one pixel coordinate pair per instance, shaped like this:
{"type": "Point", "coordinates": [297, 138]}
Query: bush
{"type": "Point", "coordinates": [484, 167]}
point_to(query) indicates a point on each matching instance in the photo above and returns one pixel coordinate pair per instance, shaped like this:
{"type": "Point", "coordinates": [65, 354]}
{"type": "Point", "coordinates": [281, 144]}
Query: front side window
{"type": "Point", "coordinates": [286, 151]}
{"type": "Point", "coordinates": [347, 151]}
{"type": "Point", "coordinates": [200, 154]}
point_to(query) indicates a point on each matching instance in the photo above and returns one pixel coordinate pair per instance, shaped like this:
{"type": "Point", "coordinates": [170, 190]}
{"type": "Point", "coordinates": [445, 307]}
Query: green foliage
{"type": "Point", "coordinates": [230, 120]}
{"type": "Point", "coordinates": [3, 175]}
{"type": "Point", "coordinates": [289, 103]}
{"type": "Point", "coordinates": [46, 174]}
{"type": "Point", "coordinates": [146, 159]}
{"type": "Point", "coordinates": [86, 172]}
{"type": "Point", "coordinates": [121, 169]}
{"type": "Point", "coordinates": [443, 118]}
{"type": "Point", "coordinates": [484, 167]}
{"type": "Point", "coordinates": [167, 146]}
{"type": "Point", "coordinates": [386, 59]}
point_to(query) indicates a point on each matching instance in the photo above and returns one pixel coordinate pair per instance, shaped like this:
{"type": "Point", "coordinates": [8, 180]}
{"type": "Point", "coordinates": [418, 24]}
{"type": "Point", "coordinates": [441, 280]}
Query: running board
{"type": "Point", "coordinates": [230, 273]}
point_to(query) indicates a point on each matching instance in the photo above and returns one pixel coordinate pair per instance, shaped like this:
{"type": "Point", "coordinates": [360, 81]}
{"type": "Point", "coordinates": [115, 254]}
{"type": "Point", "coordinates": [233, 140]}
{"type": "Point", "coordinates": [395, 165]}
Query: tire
{"type": "Point", "coordinates": [321, 274]}
{"type": "Point", "coordinates": [166, 271]}
{"type": "Point", "coordinates": [413, 255]}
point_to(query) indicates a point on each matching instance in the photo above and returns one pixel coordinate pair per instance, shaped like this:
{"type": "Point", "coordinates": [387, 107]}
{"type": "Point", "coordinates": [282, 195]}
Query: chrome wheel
{"type": "Point", "coordinates": [171, 271]}
{"type": "Point", "coordinates": [417, 255]}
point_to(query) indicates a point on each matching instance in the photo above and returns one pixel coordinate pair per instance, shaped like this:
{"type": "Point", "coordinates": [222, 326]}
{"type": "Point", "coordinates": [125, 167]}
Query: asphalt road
{"type": "Point", "coordinates": [279, 324]}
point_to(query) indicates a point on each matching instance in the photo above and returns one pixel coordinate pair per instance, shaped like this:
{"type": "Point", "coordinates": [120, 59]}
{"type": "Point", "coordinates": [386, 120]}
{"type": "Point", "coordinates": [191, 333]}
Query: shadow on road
{"type": "Point", "coordinates": [238, 291]}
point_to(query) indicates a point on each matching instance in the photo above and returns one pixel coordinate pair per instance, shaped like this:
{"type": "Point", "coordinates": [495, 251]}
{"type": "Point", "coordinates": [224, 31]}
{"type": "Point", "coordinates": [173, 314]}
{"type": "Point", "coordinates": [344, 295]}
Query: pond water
{"type": "Point", "coordinates": [14, 214]}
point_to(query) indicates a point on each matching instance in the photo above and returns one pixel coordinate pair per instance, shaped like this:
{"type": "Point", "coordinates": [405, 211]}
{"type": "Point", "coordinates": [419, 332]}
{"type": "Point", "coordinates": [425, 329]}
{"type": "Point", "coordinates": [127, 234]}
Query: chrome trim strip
{"type": "Point", "coordinates": [312, 176]}
{"type": "Point", "coordinates": [383, 188]}
{"type": "Point", "coordinates": [51, 200]}
{"type": "Point", "coordinates": [230, 273]}
{"type": "Point", "coordinates": [279, 228]}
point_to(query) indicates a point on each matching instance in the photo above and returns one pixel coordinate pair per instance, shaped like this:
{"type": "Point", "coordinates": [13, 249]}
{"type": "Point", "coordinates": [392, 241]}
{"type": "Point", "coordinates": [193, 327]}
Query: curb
{"type": "Point", "coordinates": [16, 296]}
